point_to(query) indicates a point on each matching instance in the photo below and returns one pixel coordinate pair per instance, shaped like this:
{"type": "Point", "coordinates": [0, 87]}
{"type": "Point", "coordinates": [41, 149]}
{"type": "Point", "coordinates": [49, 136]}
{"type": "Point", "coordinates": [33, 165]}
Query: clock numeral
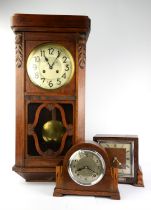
{"type": "Point", "coordinates": [50, 83]}
{"type": "Point", "coordinates": [36, 75]}
{"type": "Point", "coordinates": [51, 50]}
{"type": "Point", "coordinates": [64, 75]}
{"type": "Point", "coordinates": [67, 67]}
{"type": "Point", "coordinates": [42, 53]}
{"type": "Point", "coordinates": [43, 79]}
{"type": "Point", "coordinates": [59, 53]}
{"type": "Point", "coordinates": [37, 58]}
{"type": "Point", "coordinates": [115, 145]}
{"type": "Point", "coordinates": [64, 59]}
{"type": "Point", "coordinates": [58, 81]}
{"type": "Point", "coordinates": [34, 66]}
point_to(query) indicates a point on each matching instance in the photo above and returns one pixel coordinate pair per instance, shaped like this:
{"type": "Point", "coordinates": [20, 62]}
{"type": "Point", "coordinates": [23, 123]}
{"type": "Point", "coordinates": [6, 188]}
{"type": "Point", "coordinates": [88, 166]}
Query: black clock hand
{"type": "Point", "coordinates": [46, 59]}
{"type": "Point", "coordinates": [86, 167]}
{"type": "Point", "coordinates": [81, 168]}
{"type": "Point", "coordinates": [59, 53]}
{"type": "Point", "coordinates": [90, 169]}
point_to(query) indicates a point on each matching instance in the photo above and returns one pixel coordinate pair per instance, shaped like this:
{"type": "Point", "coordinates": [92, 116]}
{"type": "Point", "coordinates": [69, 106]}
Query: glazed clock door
{"type": "Point", "coordinates": [50, 70]}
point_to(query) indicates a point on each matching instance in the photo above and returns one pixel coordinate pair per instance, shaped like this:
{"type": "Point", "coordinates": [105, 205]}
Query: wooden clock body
{"type": "Point", "coordinates": [107, 187]}
{"type": "Point", "coordinates": [115, 146]}
{"type": "Point", "coordinates": [35, 159]}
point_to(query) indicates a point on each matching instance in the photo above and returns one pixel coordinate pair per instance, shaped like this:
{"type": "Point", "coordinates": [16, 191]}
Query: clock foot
{"type": "Point", "coordinates": [115, 196]}
{"type": "Point", "coordinates": [57, 193]}
{"type": "Point", "coordinates": [140, 182]}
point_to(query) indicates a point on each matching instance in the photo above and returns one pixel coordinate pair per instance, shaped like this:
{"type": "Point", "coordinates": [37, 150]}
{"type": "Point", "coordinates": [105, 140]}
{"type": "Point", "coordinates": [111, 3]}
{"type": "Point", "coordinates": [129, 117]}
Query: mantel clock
{"type": "Point", "coordinates": [125, 149]}
{"type": "Point", "coordinates": [50, 89]}
{"type": "Point", "coordinates": [86, 170]}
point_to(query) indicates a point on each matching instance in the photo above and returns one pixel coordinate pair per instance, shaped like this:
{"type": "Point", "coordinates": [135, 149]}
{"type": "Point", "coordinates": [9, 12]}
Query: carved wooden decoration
{"type": "Point", "coordinates": [82, 52]}
{"type": "Point", "coordinates": [19, 50]}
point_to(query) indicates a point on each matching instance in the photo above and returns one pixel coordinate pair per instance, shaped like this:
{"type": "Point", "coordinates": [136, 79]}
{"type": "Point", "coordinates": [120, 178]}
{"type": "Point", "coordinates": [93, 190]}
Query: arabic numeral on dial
{"type": "Point", "coordinates": [64, 75]}
{"type": "Point", "coordinates": [37, 58]}
{"type": "Point", "coordinates": [43, 79]}
{"type": "Point", "coordinates": [58, 81]}
{"type": "Point", "coordinates": [36, 75]}
{"type": "Point", "coordinates": [34, 66]}
{"type": "Point", "coordinates": [64, 59]}
{"type": "Point", "coordinates": [50, 83]}
{"type": "Point", "coordinates": [51, 50]}
{"type": "Point", "coordinates": [67, 67]}
{"type": "Point", "coordinates": [42, 53]}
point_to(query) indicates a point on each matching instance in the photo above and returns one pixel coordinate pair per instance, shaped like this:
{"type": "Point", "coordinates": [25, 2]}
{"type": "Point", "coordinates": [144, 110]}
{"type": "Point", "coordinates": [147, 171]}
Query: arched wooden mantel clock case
{"type": "Point", "coordinates": [50, 89]}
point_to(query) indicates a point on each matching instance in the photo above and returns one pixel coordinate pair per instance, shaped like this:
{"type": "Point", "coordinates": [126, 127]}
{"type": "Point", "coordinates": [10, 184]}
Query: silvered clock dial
{"type": "Point", "coordinates": [86, 167]}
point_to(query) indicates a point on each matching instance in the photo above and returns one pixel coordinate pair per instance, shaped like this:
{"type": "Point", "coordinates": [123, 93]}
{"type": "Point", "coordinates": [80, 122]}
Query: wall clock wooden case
{"type": "Point", "coordinates": [50, 89]}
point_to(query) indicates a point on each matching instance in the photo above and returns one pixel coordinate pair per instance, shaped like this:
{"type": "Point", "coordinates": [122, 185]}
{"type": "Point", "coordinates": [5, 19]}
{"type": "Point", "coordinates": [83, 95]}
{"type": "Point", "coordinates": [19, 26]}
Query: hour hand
{"type": "Point", "coordinates": [46, 59]}
{"type": "Point", "coordinates": [80, 169]}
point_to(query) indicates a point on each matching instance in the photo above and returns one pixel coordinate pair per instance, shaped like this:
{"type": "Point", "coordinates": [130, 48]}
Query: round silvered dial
{"type": "Point", "coordinates": [86, 167]}
{"type": "Point", "coordinates": [50, 66]}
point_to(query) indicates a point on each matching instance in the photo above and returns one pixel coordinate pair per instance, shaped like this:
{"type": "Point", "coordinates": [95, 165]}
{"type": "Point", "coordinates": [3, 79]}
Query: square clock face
{"type": "Point", "coordinates": [125, 150]}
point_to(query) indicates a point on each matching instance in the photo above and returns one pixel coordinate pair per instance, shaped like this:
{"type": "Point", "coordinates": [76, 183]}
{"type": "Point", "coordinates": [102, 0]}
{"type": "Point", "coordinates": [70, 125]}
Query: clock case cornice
{"type": "Point", "coordinates": [50, 23]}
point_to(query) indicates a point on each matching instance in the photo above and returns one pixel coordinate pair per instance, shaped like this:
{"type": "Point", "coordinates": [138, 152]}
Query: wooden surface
{"type": "Point", "coordinates": [30, 31]}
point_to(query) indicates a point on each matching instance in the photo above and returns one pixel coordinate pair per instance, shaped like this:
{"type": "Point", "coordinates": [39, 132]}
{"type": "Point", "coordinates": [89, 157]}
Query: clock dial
{"type": "Point", "coordinates": [126, 169]}
{"type": "Point", "coordinates": [50, 66]}
{"type": "Point", "coordinates": [86, 167]}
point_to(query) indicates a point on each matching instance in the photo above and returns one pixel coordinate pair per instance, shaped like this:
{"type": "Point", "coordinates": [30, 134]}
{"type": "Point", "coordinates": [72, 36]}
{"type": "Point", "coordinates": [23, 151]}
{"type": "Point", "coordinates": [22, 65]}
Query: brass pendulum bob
{"type": "Point", "coordinates": [53, 131]}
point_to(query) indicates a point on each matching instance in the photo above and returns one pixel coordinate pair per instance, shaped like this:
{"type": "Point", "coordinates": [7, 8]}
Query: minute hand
{"type": "Point", "coordinates": [59, 53]}
{"type": "Point", "coordinates": [90, 169]}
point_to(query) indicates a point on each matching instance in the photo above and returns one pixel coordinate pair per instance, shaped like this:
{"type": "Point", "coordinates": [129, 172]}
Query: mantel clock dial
{"type": "Point", "coordinates": [50, 66]}
{"type": "Point", "coordinates": [86, 167]}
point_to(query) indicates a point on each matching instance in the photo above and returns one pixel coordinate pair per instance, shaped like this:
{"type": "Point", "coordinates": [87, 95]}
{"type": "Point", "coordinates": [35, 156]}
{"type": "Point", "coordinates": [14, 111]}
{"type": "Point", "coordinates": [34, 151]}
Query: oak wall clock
{"type": "Point", "coordinates": [50, 89]}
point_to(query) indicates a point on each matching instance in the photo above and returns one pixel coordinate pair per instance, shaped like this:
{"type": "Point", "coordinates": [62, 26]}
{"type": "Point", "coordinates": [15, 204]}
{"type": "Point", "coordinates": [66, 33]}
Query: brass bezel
{"type": "Point", "coordinates": [67, 52]}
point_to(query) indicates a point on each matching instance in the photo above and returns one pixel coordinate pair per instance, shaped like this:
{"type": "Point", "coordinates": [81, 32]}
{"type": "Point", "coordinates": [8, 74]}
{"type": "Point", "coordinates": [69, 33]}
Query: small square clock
{"type": "Point", "coordinates": [125, 149]}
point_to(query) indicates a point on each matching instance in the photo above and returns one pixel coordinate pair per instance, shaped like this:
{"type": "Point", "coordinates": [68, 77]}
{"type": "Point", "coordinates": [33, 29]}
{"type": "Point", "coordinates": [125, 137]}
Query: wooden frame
{"type": "Point", "coordinates": [32, 30]}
